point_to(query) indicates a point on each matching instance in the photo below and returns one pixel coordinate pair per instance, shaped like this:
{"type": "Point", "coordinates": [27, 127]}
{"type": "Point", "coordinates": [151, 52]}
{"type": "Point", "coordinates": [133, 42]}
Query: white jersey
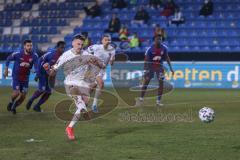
{"type": "Point", "coordinates": [76, 67]}
{"type": "Point", "coordinates": [104, 55]}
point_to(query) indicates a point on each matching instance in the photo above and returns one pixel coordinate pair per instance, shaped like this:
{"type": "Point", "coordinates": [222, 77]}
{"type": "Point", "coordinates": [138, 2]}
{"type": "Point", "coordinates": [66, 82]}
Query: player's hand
{"type": "Point", "coordinates": [172, 72]}
{"type": "Point", "coordinates": [145, 71]}
{"type": "Point", "coordinates": [5, 74]}
{"type": "Point", "coordinates": [92, 60]}
{"type": "Point", "coordinates": [97, 63]}
{"type": "Point", "coordinates": [36, 78]}
{"type": "Point", "coordinates": [52, 73]}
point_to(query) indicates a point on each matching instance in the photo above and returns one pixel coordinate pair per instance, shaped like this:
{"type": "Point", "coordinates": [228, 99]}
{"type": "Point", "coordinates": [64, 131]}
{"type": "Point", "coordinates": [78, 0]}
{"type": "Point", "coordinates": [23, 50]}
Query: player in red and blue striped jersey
{"type": "Point", "coordinates": [153, 65]}
{"type": "Point", "coordinates": [44, 64]}
{"type": "Point", "coordinates": [23, 62]}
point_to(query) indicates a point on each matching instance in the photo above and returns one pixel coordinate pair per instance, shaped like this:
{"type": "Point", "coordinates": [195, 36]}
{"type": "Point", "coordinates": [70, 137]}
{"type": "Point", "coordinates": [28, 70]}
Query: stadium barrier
{"type": "Point", "coordinates": [187, 75]}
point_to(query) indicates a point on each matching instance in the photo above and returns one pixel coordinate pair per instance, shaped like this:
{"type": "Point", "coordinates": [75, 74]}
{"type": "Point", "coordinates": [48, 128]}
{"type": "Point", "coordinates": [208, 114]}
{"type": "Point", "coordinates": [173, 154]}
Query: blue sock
{"type": "Point", "coordinates": [35, 95]}
{"type": "Point", "coordinates": [43, 99]}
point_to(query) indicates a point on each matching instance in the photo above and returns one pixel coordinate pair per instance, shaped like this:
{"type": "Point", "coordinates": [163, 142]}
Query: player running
{"type": "Point", "coordinates": [106, 53]}
{"type": "Point", "coordinates": [75, 83]}
{"type": "Point", "coordinates": [44, 64]}
{"type": "Point", "coordinates": [23, 62]}
{"type": "Point", "coordinates": [153, 64]}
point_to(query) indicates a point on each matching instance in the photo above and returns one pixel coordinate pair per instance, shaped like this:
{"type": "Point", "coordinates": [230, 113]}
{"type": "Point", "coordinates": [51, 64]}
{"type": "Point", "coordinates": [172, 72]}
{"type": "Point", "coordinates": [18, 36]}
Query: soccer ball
{"type": "Point", "coordinates": [206, 114]}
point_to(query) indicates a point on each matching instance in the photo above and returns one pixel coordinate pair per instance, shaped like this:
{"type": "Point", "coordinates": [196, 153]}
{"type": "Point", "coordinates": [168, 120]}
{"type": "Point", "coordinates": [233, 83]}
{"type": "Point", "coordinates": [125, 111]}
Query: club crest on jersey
{"type": "Point", "coordinates": [24, 64]}
{"type": "Point", "coordinates": [157, 58]}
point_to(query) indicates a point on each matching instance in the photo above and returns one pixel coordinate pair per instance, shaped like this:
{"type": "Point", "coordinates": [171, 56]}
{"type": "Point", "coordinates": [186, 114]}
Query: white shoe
{"type": "Point", "coordinates": [138, 103]}
{"type": "Point", "coordinates": [158, 104]}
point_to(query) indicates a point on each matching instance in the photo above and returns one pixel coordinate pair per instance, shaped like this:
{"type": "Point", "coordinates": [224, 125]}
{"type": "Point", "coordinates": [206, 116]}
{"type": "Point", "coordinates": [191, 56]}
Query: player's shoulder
{"type": "Point", "coordinates": [110, 47]}
{"type": "Point", "coordinates": [95, 46]}
{"type": "Point", "coordinates": [16, 53]}
{"type": "Point", "coordinates": [85, 52]}
{"type": "Point", "coordinates": [67, 52]}
{"type": "Point", "coordinates": [164, 45]}
{"type": "Point", "coordinates": [35, 55]}
{"type": "Point", "coordinates": [149, 49]}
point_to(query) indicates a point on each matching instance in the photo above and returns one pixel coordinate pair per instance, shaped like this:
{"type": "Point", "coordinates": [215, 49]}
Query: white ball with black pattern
{"type": "Point", "coordinates": [206, 114]}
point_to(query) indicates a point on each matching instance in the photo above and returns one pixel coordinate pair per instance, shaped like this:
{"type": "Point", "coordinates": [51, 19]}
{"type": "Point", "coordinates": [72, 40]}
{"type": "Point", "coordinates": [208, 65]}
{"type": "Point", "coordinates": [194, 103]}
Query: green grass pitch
{"type": "Point", "coordinates": [173, 132]}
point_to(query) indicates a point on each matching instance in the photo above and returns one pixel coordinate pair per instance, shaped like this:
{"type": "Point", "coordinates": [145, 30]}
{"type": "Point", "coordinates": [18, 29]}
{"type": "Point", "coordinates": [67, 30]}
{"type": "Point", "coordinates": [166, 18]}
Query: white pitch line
{"type": "Point", "coordinates": [120, 107]}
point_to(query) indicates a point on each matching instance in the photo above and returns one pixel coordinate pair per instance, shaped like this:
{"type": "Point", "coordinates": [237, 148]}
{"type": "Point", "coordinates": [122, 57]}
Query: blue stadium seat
{"type": "Point", "coordinates": [35, 38]}
{"type": "Point", "coordinates": [53, 30]}
{"type": "Point", "coordinates": [24, 37]}
{"type": "Point", "coordinates": [43, 30]}
{"type": "Point", "coordinates": [43, 39]}
{"type": "Point", "coordinates": [16, 39]}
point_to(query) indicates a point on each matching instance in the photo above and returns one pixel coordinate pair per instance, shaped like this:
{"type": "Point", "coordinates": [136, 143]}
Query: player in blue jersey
{"type": "Point", "coordinates": [23, 62]}
{"type": "Point", "coordinates": [153, 65]}
{"type": "Point", "coordinates": [44, 64]}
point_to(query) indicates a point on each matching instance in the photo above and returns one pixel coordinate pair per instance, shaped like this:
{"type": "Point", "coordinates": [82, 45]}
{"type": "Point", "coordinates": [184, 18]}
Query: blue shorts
{"type": "Point", "coordinates": [150, 74]}
{"type": "Point", "coordinates": [22, 86]}
{"type": "Point", "coordinates": [43, 84]}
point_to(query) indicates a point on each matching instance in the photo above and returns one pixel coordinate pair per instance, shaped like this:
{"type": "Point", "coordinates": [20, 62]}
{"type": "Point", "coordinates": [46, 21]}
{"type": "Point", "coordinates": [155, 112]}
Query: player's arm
{"type": "Point", "coordinates": [169, 61]}
{"type": "Point", "coordinates": [97, 62]}
{"type": "Point", "coordinates": [45, 59]}
{"type": "Point", "coordinates": [147, 60]}
{"type": "Point", "coordinates": [35, 65]}
{"type": "Point", "coordinates": [112, 57]}
{"type": "Point", "coordinates": [60, 62]}
{"type": "Point", "coordinates": [10, 58]}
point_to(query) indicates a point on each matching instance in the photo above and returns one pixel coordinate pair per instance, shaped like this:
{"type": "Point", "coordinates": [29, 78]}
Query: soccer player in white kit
{"type": "Point", "coordinates": [106, 53]}
{"type": "Point", "coordinates": [75, 84]}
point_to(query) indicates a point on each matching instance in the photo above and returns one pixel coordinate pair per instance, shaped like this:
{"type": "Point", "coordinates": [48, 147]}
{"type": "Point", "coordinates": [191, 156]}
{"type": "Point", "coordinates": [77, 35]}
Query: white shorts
{"type": "Point", "coordinates": [81, 86]}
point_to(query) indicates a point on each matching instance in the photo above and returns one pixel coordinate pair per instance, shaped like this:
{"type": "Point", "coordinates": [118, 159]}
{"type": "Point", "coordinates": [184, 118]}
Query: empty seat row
{"type": "Point", "coordinates": [20, 39]}
{"type": "Point", "coordinates": [58, 14]}
{"type": "Point", "coordinates": [44, 22]}
{"type": "Point", "coordinates": [44, 30]}
{"type": "Point", "coordinates": [18, 7]}
{"type": "Point", "coordinates": [61, 6]}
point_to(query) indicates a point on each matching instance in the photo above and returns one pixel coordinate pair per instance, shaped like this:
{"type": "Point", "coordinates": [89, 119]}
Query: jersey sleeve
{"type": "Point", "coordinates": [62, 59]}
{"type": "Point", "coordinates": [147, 54]}
{"type": "Point", "coordinates": [35, 62]}
{"type": "Point", "coordinates": [165, 53]}
{"type": "Point", "coordinates": [45, 58]}
{"type": "Point", "coordinates": [11, 57]}
{"type": "Point", "coordinates": [113, 53]}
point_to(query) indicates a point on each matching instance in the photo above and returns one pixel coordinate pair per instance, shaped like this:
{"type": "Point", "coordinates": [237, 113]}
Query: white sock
{"type": "Point", "coordinates": [141, 98]}
{"type": "Point", "coordinates": [75, 118]}
{"type": "Point", "coordinates": [96, 96]}
{"type": "Point", "coordinates": [80, 105]}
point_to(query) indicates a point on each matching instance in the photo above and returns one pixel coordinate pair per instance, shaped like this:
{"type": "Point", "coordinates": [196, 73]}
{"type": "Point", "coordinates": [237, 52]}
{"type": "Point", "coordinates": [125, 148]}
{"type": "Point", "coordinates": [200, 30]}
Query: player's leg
{"type": "Point", "coordinates": [23, 92]}
{"type": "Point", "coordinates": [41, 87]}
{"type": "Point", "coordinates": [160, 76]}
{"type": "Point", "coordinates": [15, 94]}
{"type": "Point", "coordinates": [146, 80]}
{"type": "Point", "coordinates": [100, 86]}
{"type": "Point", "coordinates": [45, 96]}
{"type": "Point", "coordinates": [81, 107]}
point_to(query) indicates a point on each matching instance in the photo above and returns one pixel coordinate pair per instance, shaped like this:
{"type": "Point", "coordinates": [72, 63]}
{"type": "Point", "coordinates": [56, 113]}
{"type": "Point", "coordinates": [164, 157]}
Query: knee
{"type": "Point", "coordinates": [16, 93]}
{"type": "Point", "coordinates": [101, 85]}
{"type": "Point", "coordinates": [23, 95]}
